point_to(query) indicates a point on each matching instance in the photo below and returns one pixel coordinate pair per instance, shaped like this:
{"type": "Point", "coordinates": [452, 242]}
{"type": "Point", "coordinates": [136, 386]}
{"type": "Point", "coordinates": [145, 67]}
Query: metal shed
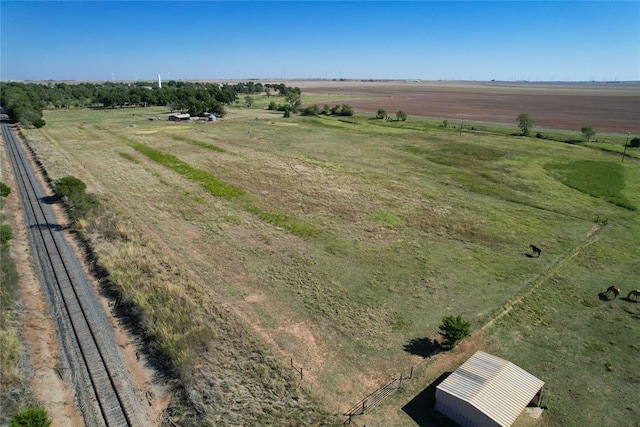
{"type": "Point", "coordinates": [487, 391]}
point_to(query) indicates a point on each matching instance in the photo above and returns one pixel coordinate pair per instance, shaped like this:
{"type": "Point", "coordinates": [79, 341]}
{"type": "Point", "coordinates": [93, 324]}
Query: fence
{"type": "Point", "coordinates": [376, 397]}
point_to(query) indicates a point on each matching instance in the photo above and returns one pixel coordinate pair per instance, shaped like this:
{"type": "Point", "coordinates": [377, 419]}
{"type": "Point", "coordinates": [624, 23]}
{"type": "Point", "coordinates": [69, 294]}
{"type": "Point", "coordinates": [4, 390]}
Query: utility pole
{"type": "Point", "coordinates": [625, 146]}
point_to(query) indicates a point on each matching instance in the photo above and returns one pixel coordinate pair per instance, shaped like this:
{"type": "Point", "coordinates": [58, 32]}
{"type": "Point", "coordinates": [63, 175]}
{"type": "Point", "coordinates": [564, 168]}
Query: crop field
{"type": "Point", "coordinates": [607, 107]}
{"type": "Point", "coordinates": [334, 243]}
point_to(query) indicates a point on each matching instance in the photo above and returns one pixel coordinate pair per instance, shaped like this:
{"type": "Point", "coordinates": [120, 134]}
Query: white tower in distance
{"type": "Point", "coordinates": [159, 82]}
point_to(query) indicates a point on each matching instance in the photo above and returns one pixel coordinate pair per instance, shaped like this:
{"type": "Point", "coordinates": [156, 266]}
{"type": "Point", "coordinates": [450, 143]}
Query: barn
{"type": "Point", "coordinates": [487, 391]}
{"type": "Point", "coordinates": [179, 117]}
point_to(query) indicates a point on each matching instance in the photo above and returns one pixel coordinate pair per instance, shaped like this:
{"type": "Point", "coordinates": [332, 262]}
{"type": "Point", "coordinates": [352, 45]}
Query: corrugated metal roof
{"type": "Point", "coordinates": [495, 386]}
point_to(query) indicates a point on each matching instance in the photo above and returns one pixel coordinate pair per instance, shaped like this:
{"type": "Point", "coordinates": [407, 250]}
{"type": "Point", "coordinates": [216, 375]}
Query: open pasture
{"type": "Point", "coordinates": [349, 239]}
{"type": "Point", "coordinates": [606, 107]}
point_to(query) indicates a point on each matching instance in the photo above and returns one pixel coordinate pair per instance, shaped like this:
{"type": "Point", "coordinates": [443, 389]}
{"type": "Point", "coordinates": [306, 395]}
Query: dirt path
{"type": "Point", "coordinates": [543, 276]}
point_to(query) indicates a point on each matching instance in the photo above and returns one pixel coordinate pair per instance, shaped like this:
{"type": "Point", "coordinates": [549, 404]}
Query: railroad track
{"type": "Point", "coordinates": [104, 393]}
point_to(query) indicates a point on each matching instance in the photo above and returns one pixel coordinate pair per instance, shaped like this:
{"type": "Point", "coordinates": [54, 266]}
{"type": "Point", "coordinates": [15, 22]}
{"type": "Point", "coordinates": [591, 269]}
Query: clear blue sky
{"type": "Point", "coordinates": [503, 40]}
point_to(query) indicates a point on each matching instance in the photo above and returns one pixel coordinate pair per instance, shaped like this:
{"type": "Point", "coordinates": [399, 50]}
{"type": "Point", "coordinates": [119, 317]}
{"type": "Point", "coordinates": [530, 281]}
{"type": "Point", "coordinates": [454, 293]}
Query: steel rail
{"type": "Point", "coordinates": [63, 284]}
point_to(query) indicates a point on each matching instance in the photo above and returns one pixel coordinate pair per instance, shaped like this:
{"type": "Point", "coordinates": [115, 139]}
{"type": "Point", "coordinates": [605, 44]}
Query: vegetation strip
{"type": "Point", "coordinates": [198, 143]}
{"type": "Point", "coordinates": [221, 189]}
{"type": "Point", "coordinates": [211, 183]}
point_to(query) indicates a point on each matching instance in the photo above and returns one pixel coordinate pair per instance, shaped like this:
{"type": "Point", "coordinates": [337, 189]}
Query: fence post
{"type": "Point", "coordinates": [400, 385]}
{"type": "Point", "coordinates": [300, 373]}
{"type": "Point", "coordinates": [411, 373]}
{"type": "Point", "coordinates": [364, 406]}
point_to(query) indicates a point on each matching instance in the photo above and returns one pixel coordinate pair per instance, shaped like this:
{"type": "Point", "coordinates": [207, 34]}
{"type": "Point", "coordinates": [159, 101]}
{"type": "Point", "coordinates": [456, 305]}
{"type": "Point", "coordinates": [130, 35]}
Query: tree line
{"type": "Point", "coordinates": [24, 102]}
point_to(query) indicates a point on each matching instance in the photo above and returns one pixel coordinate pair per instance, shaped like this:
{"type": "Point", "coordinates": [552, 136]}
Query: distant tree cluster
{"type": "Point", "coordinates": [24, 102]}
{"type": "Point", "coordinates": [336, 110]}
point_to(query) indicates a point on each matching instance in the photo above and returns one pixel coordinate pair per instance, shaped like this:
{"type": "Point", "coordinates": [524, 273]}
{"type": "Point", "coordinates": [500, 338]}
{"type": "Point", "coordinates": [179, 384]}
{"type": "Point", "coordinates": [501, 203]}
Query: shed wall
{"type": "Point", "coordinates": [462, 412]}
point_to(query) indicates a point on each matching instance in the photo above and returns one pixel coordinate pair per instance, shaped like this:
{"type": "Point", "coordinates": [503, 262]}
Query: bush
{"type": "Point", "coordinates": [313, 110]}
{"type": "Point", "coordinates": [635, 142]}
{"type": "Point", "coordinates": [69, 186]}
{"type": "Point", "coordinates": [453, 330]}
{"type": "Point", "coordinates": [272, 106]}
{"type": "Point", "coordinates": [382, 114]}
{"type": "Point", "coordinates": [401, 115]}
{"type": "Point", "coordinates": [4, 190]}
{"type": "Point", "coordinates": [31, 417]}
{"type": "Point", "coordinates": [6, 233]}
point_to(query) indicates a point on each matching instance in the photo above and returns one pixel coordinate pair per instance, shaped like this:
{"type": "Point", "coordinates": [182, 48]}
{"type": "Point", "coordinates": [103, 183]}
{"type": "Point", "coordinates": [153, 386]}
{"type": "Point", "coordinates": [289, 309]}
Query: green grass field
{"type": "Point", "coordinates": [336, 241]}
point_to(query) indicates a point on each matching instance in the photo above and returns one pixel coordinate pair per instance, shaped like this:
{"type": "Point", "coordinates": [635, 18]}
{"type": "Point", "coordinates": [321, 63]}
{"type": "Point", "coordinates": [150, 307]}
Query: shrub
{"type": "Point", "coordinates": [272, 106]}
{"type": "Point", "coordinates": [313, 110]}
{"type": "Point", "coordinates": [346, 110]}
{"type": "Point", "coordinates": [4, 190]}
{"type": "Point", "coordinates": [382, 114]}
{"type": "Point", "coordinates": [635, 142]}
{"type": "Point", "coordinates": [453, 330]}
{"type": "Point", "coordinates": [401, 115]}
{"type": "Point", "coordinates": [31, 417]}
{"type": "Point", "coordinates": [69, 186]}
{"type": "Point", "coordinates": [6, 233]}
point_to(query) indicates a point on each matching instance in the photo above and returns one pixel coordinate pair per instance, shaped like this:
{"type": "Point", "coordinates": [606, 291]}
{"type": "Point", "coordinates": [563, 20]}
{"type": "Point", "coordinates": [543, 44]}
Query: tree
{"type": "Point", "coordinates": [294, 98]}
{"type": "Point", "coordinates": [453, 330]}
{"type": "Point", "coordinates": [69, 186]}
{"type": "Point", "coordinates": [401, 115]}
{"type": "Point", "coordinates": [312, 110]}
{"type": "Point", "coordinates": [635, 142]}
{"type": "Point", "coordinates": [525, 123]}
{"type": "Point", "coordinates": [588, 132]}
{"type": "Point", "coordinates": [5, 190]}
{"type": "Point", "coordinates": [249, 100]}
{"type": "Point", "coordinates": [381, 114]}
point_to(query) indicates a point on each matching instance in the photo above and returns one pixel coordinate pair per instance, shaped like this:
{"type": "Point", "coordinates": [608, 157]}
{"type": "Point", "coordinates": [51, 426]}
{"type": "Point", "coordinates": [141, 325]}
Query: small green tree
{"type": "Point", "coordinates": [401, 115]}
{"type": "Point", "coordinates": [294, 98]}
{"type": "Point", "coordinates": [445, 123]}
{"type": "Point", "coordinates": [588, 132]}
{"type": "Point", "coordinates": [381, 114]}
{"type": "Point", "coordinates": [525, 123]}
{"type": "Point", "coordinates": [69, 186]}
{"type": "Point", "coordinates": [31, 417]}
{"type": "Point", "coordinates": [453, 329]}
{"type": "Point", "coordinates": [4, 190]}
{"type": "Point", "coordinates": [249, 100]}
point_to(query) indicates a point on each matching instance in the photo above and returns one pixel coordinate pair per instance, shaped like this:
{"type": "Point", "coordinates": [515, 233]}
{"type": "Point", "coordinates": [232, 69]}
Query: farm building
{"type": "Point", "coordinates": [487, 391]}
{"type": "Point", "coordinates": [179, 117]}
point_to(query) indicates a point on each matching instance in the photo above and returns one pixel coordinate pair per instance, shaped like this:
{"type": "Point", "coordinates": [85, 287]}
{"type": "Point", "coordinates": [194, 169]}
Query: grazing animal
{"type": "Point", "coordinates": [536, 250]}
{"type": "Point", "coordinates": [612, 290]}
{"type": "Point", "coordinates": [635, 294]}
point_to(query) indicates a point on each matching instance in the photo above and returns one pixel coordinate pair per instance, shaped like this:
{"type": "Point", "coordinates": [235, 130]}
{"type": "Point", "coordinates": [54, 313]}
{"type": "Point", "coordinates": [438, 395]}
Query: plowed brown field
{"type": "Point", "coordinates": [606, 107]}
